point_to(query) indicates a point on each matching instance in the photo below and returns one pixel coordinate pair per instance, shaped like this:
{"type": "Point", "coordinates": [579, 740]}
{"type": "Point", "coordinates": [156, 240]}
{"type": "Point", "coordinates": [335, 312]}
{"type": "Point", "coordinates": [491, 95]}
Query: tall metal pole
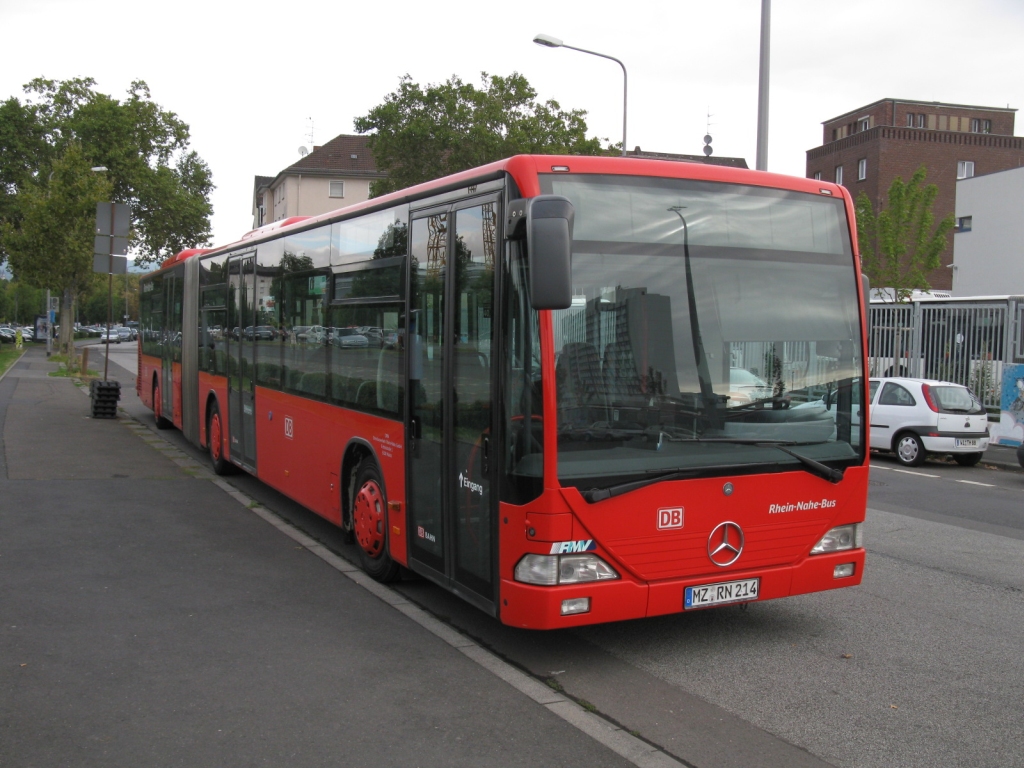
{"type": "Point", "coordinates": [762, 87]}
{"type": "Point", "coordinates": [110, 294]}
{"type": "Point", "coordinates": [49, 331]}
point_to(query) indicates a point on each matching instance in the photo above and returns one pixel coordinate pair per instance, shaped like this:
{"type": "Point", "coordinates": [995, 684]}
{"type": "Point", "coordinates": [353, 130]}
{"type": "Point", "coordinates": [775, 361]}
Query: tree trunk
{"type": "Point", "coordinates": [67, 328]}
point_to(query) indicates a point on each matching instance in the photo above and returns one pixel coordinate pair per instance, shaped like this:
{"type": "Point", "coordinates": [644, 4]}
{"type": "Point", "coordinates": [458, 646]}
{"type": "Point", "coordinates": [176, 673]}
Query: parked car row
{"type": "Point", "coordinates": [343, 338]}
{"type": "Point", "coordinates": [8, 333]}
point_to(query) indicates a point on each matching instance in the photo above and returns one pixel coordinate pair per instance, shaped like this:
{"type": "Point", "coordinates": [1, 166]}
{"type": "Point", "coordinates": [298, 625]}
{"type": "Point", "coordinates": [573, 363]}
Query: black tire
{"type": "Point", "coordinates": [221, 466]}
{"type": "Point", "coordinates": [161, 422]}
{"type": "Point", "coordinates": [1020, 455]}
{"type": "Point", "coordinates": [909, 449]}
{"type": "Point", "coordinates": [967, 459]}
{"type": "Point", "coordinates": [368, 505]}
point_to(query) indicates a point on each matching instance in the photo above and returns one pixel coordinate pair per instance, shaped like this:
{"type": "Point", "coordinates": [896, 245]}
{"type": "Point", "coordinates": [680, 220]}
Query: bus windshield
{"type": "Point", "coordinates": [710, 323]}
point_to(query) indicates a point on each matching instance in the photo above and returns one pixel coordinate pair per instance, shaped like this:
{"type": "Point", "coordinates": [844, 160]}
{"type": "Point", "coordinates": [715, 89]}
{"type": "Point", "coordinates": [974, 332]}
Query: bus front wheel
{"type": "Point", "coordinates": [370, 524]}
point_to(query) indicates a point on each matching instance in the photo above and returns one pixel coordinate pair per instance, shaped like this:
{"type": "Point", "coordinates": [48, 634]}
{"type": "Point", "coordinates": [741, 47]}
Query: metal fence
{"type": "Point", "coordinates": [967, 341]}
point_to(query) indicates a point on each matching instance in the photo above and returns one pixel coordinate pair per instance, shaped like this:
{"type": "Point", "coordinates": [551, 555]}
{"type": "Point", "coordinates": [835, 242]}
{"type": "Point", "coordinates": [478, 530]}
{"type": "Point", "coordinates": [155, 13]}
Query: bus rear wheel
{"type": "Point", "coordinates": [158, 401]}
{"type": "Point", "coordinates": [215, 443]}
{"type": "Point", "coordinates": [370, 524]}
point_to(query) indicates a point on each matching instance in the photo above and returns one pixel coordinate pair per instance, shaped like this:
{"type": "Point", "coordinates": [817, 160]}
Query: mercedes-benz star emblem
{"type": "Point", "coordinates": [725, 544]}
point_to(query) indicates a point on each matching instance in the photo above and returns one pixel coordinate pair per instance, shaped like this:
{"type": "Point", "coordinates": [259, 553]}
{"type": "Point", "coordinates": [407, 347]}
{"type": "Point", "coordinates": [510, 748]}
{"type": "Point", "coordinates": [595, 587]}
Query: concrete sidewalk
{"type": "Point", "coordinates": [149, 618]}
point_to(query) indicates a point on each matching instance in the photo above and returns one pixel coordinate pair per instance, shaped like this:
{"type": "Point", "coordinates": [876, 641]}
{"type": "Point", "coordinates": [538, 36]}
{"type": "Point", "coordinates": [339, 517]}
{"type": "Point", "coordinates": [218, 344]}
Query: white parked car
{"type": "Point", "coordinates": [349, 338]}
{"type": "Point", "coordinates": [111, 336]}
{"type": "Point", "coordinates": [915, 417]}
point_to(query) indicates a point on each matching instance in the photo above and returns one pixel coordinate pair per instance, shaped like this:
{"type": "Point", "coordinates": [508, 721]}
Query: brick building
{"type": "Point", "coordinates": [866, 148]}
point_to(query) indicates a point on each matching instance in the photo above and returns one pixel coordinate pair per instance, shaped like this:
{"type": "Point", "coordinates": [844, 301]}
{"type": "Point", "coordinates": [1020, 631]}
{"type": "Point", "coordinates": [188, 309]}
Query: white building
{"type": "Point", "coordinates": [335, 175]}
{"type": "Point", "coordinates": [988, 244]}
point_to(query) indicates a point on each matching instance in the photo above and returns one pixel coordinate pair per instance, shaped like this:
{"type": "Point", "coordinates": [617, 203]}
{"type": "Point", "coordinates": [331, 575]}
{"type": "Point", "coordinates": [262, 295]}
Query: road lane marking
{"type": "Point", "coordinates": [972, 482]}
{"type": "Point", "coordinates": [919, 474]}
{"type": "Point", "coordinates": [876, 466]}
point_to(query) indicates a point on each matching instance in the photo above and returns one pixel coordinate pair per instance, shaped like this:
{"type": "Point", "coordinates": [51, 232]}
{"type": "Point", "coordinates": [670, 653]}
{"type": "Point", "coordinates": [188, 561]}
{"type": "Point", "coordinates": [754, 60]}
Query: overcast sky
{"type": "Point", "coordinates": [247, 76]}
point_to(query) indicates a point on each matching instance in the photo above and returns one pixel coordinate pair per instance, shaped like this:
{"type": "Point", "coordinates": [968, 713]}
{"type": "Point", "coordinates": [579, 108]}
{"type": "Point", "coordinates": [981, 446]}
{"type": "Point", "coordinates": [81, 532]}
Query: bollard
{"type": "Point", "coordinates": [104, 396]}
{"type": "Point", "coordinates": [84, 370]}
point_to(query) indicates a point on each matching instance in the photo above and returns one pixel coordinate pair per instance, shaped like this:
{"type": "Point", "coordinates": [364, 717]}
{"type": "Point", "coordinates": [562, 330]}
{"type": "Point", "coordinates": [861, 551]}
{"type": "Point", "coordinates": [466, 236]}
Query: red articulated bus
{"type": "Point", "coordinates": [569, 389]}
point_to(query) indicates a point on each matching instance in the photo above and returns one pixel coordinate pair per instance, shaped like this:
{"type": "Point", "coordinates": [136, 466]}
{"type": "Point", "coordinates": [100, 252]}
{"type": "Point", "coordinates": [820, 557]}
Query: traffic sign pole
{"type": "Point", "coordinates": [111, 241]}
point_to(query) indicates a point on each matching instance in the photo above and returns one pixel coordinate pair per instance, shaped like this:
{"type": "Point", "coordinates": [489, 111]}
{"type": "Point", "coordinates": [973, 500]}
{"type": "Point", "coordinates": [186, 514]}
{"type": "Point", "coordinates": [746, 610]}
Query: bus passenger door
{"type": "Point", "coordinates": [241, 360]}
{"type": "Point", "coordinates": [170, 350]}
{"type": "Point", "coordinates": [452, 511]}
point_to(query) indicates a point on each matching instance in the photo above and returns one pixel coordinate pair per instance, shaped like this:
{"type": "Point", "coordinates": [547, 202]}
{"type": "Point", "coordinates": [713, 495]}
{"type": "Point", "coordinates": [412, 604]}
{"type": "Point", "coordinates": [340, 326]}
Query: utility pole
{"type": "Point", "coordinates": [762, 87]}
{"type": "Point", "coordinates": [49, 334]}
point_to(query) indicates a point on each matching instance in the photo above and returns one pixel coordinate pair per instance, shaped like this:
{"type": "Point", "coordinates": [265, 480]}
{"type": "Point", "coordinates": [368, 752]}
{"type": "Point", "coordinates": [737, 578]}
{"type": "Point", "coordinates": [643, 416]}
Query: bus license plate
{"type": "Point", "coordinates": [960, 443]}
{"type": "Point", "coordinates": [718, 594]}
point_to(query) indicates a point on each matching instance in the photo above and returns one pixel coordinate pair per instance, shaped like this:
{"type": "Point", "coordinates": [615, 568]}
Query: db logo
{"type": "Point", "coordinates": [289, 427]}
{"type": "Point", "coordinates": [670, 517]}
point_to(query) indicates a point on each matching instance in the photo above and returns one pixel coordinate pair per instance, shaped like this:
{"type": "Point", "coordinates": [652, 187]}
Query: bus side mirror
{"type": "Point", "coordinates": [546, 221]}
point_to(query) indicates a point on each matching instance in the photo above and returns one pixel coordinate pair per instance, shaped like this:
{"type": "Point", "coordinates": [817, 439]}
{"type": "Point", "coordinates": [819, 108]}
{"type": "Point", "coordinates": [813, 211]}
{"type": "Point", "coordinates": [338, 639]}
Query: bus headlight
{"type": "Point", "coordinates": [839, 539]}
{"type": "Point", "coordinates": [538, 569]}
{"type": "Point", "coordinates": [549, 570]}
{"type": "Point", "coordinates": [573, 569]}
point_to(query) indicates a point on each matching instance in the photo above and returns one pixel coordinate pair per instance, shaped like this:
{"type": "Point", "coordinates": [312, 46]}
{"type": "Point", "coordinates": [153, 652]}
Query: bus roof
{"type": "Point", "coordinates": [526, 170]}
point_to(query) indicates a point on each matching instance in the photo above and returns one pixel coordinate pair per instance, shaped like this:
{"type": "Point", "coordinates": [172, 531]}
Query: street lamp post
{"type": "Point", "coordinates": [762, 86]}
{"type": "Point", "coordinates": [553, 42]}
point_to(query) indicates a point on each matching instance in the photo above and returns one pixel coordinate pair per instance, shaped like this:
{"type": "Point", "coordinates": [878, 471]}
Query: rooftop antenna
{"type": "Point", "coordinates": [707, 135]}
{"type": "Point", "coordinates": [310, 134]}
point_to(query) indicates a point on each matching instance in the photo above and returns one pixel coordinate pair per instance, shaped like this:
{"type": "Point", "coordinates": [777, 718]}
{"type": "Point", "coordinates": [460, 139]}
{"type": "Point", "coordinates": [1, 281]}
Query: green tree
{"type": "Point", "coordinates": [52, 139]}
{"type": "Point", "coordinates": [418, 134]}
{"type": "Point", "coordinates": [901, 244]}
{"type": "Point", "coordinates": [51, 245]}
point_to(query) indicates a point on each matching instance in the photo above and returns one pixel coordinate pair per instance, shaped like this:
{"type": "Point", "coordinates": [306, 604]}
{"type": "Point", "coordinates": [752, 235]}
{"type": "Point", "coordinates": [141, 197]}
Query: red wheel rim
{"type": "Point", "coordinates": [368, 517]}
{"type": "Point", "coordinates": [215, 437]}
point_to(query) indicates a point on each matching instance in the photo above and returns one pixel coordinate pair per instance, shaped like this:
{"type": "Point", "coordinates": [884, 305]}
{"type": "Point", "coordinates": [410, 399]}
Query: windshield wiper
{"type": "Point", "coordinates": [814, 467]}
{"type": "Point", "coordinates": [600, 494]}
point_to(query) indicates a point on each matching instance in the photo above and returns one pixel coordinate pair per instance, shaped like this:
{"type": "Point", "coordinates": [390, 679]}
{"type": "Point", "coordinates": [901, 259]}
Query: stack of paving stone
{"type": "Point", "coordinates": [104, 395]}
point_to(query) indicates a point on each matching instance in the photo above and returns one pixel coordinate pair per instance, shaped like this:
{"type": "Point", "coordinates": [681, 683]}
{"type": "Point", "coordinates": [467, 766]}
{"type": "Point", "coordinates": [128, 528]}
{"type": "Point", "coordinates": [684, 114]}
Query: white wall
{"type": "Point", "coordinates": [989, 260]}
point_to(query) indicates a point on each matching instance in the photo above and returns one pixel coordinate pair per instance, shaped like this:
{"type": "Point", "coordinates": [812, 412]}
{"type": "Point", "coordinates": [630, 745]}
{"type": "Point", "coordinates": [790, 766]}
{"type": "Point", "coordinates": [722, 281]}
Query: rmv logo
{"type": "Point", "coordinates": [289, 427]}
{"type": "Point", "coordinates": [670, 517]}
{"type": "Point", "coordinates": [568, 547]}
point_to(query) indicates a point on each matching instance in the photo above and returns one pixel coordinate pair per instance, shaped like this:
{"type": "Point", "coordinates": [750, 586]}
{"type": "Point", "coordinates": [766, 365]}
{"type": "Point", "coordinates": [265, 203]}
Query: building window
{"type": "Point", "coordinates": [839, 174]}
{"type": "Point", "coordinates": [835, 134]}
{"type": "Point", "coordinates": [337, 189]}
{"type": "Point", "coordinates": [862, 169]}
{"type": "Point", "coordinates": [964, 169]}
{"type": "Point", "coordinates": [920, 119]}
{"type": "Point", "coordinates": [864, 123]}
{"type": "Point", "coordinates": [963, 224]}
{"type": "Point", "coordinates": [910, 119]}
{"type": "Point", "coordinates": [817, 175]}
{"type": "Point", "coordinates": [980, 126]}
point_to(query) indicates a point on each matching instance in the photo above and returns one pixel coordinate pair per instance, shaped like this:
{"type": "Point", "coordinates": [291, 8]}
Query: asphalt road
{"type": "Point", "coordinates": [922, 665]}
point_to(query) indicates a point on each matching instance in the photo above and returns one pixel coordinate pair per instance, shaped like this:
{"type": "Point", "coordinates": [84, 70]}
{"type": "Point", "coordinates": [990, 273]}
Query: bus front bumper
{"type": "Point", "coordinates": [533, 607]}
